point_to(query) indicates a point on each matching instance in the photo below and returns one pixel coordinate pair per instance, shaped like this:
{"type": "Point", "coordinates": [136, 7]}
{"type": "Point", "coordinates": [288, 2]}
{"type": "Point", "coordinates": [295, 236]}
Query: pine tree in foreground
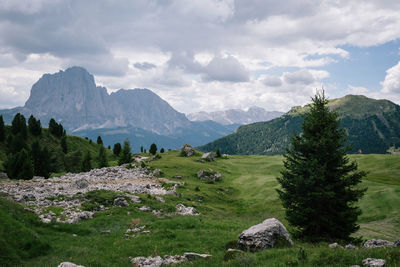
{"type": "Point", "coordinates": [319, 183]}
{"type": "Point", "coordinates": [153, 149]}
{"type": "Point", "coordinates": [125, 155]}
{"type": "Point", "coordinates": [103, 162]}
{"type": "Point", "coordinates": [117, 149]}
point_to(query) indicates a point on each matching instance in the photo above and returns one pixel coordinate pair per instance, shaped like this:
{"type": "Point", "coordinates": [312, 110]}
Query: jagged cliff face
{"type": "Point", "coordinates": [236, 116]}
{"type": "Point", "coordinates": [72, 97]}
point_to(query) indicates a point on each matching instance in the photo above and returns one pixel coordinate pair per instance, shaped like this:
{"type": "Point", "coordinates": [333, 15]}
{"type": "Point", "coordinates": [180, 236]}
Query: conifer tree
{"type": "Point", "coordinates": [319, 183]}
{"type": "Point", "coordinates": [99, 140]}
{"type": "Point", "coordinates": [2, 130]}
{"type": "Point", "coordinates": [218, 153]}
{"type": "Point", "coordinates": [64, 143]}
{"type": "Point", "coordinates": [86, 162]}
{"type": "Point", "coordinates": [141, 149]}
{"type": "Point", "coordinates": [19, 165]}
{"type": "Point", "coordinates": [153, 149]}
{"type": "Point", "coordinates": [103, 162]}
{"type": "Point", "coordinates": [18, 126]}
{"type": "Point", "coordinates": [34, 126]}
{"type": "Point", "coordinates": [125, 155]}
{"type": "Point", "coordinates": [162, 150]}
{"type": "Point", "coordinates": [117, 149]}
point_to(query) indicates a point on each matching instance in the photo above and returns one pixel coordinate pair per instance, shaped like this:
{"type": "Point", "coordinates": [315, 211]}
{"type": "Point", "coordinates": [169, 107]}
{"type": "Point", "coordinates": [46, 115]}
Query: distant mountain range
{"type": "Point", "coordinates": [236, 116]}
{"type": "Point", "coordinates": [73, 99]}
{"type": "Point", "coordinates": [372, 127]}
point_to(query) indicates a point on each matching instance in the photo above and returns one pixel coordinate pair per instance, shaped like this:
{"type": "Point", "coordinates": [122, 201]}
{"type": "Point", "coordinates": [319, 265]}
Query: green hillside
{"type": "Point", "coordinates": [58, 157]}
{"type": "Point", "coordinates": [373, 126]}
{"type": "Point", "coordinates": [245, 196]}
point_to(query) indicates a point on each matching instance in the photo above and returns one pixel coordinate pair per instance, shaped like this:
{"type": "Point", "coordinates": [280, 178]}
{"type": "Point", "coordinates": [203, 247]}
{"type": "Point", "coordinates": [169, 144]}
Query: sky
{"type": "Point", "coordinates": [206, 55]}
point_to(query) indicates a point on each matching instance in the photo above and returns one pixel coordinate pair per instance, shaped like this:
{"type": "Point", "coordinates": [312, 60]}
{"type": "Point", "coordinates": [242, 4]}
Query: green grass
{"type": "Point", "coordinates": [245, 196]}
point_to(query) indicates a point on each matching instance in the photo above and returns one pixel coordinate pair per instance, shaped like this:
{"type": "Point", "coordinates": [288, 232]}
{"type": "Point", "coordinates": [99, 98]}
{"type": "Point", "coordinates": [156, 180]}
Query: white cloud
{"type": "Point", "coordinates": [227, 69]}
{"type": "Point", "coordinates": [391, 84]}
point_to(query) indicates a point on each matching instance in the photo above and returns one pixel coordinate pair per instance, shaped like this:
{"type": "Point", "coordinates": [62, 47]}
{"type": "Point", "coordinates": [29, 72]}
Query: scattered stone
{"type": "Point", "coordinates": [351, 247]}
{"type": "Point", "coordinates": [187, 150]}
{"type": "Point", "coordinates": [177, 176]}
{"type": "Point", "coordinates": [3, 175]}
{"type": "Point", "coordinates": [69, 264]}
{"type": "Point", "coordinates": [355, 266]}
{"type": "Point", "coordinates": [157, 212]}
{"type": "Point", "coordinates": [209, 156]}
{"type": "Point", "coordinates": [147, 262]}
{"type": "Point", "coordinates": [146, 232]}
{"type": "Point", "coordinates": [335, 245]}
{"type": "Point", "coordinates": [378, 243]}
{"type": "Point", "coordinates": [161, 199]}
{"type": "Point", "coordinates": [106, 232]}
{"type": "Point", "coordinates": [209, 175]}
{"type": "Point", "coordinates": [173, 259]}
{"type": "Point", "coordinates": [183, 210]}
{"type": "Point", "coordinates": [157, 172]}
{"type": "Point", "coordinates": [74, 235]}
{"type": "Point", "coordinates": [81, 183]}
{"type": "Point", "coordinates": [134, 199]}
{"type": "Point", "coordinates": [145, 208]}
{"type": "Point", "coordinates": [396, 243]}
{"type": "Point", "coordinates": [267, 234]}
{"type": "Point", "coordinates": [371, 262]}
{"type": "Point", "coordinates": [120, 202]}
{"type": "Point", "coordinates": [192, 256]}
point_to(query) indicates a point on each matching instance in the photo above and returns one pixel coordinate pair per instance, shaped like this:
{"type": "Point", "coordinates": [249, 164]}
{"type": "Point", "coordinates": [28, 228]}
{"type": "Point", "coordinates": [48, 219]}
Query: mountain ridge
{"type": "Point", "coordinates": [372, 127]}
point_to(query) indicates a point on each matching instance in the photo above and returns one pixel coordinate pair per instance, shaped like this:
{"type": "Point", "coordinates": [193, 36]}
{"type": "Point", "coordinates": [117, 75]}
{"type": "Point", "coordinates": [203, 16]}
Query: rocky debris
{"type": "Point", "coordinates": [157, 172]}
{"type": "Point", "coordinates": [183, 210]}
{"type": "Point", "coordinates": [351, 247]}
{"type": "Point", "coordinates": [371, 262]}
{"type": "Point", "coordinates": [68, 191]}
{"type": "Point", "coordinates": [209, 175]}
{"type": "Point", "coordinates": [267, 234]}
{"type": "Point", "coordinates": [187, 150]}
{"type": "Point", "coordinates": [81, 183]}
{"type": "Point", "coordinates": [209, 156]}
{"type": "Point", "coordinates": [147, 262]}
{"type": "Point", "coordinates": [335, 245]}
{"type": "Point", "coordinates": [177, 176]}
{"type": "Point", "coordinates": [167, 260]}
{"type": "Point", "coordinates": [396, 243]}
{"type": "Point", "coordinates": [139, 158]}
{"type": "Point", "coordinates": [157, 212]}
{"type": "Point", "coordinates": [130, 233]}
{"type": "Point", "coordinates": [69, 264]}
{"type": "Point", "coordinates": [161, 199]}
{"type": "Point", "coordinates": [3, 175]}
{"type": "Point", "coordinates": [378, 243]}
{"type": "Point", "coordinates": [106, 232]}
{"type": "Point", "coordinates": [120, 202]}
{"type": "Point", "coordinates": [145, 208]}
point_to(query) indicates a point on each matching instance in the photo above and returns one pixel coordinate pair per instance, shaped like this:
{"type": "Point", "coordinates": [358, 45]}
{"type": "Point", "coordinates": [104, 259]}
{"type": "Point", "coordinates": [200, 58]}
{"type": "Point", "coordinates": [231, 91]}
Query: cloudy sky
{"type": "Point", "coordinates": [206, 54]}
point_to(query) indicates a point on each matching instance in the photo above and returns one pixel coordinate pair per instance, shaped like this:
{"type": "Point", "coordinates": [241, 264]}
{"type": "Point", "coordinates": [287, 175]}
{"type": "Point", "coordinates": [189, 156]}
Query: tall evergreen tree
{"type": "Point", "coordinates": [153, 149]}
{"type": "Point", "coordinates": [2, 130]}
{"type": "Point", "coordinates": [55, 128]}
{"type": "Point", "coordinates": [103, 162]}
{"type": "Point", "coordinates": [15, 143]}
{"type": "Point", "coordinates": [141, 149]}
{"type": "Point", "coordinates": [18, 125]}
{"type": "Point", "coordinates": [319, 183]}
{"type": "Point", "coordinates": [64, 143]}
{"type": "Point", "coordinates": [162, 150]}
{"type": "Point", "coordinates": [19, 165]}
{"type": "Point", "coordinates": [99, 140]}
{"type": "Point", "coordinates": [86, 162]}
{"type": "Point", "coordinates": [117, 149]}
{"type": "Point", "coordinates": [34, 126]}
{"type": "Point", "coordinates": [125, 155]}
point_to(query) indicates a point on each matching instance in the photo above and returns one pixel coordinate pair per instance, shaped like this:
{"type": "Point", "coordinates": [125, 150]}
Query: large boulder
{"type": "Point", "coordinates": [148, 262]}
{"type": "Point", "coordinates": [370, 262]}
{"type": "Point", "coordinates": [69, 264]}
{"type": "Point", "coordinates": [187, 150]}
{"type": "Point", "coordinates": [209, 156]}
{"type": "Point", "coordinates": [209, 175]}
{"type": "Point", "coordinates": [81, 183]}
{"type": "Point", "coordinates": [377, 243]}
{"type": "Point", "coordinates": [265, 235]}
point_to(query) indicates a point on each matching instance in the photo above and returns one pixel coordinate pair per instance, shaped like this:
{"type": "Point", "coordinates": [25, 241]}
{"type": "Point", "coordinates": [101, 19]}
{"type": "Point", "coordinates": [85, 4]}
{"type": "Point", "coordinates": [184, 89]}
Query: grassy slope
{"type": "Point", "coordinates": [245, 197]}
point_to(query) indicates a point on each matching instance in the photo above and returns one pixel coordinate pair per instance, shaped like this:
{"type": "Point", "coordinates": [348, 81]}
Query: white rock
{"type": "Point", "coordinates": [371, 262]}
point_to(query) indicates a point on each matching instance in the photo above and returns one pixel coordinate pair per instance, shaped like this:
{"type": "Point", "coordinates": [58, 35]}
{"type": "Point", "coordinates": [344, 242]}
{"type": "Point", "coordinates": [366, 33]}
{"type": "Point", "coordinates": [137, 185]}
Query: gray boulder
{"type": "Point", "coordinates": [209, 175]}
{"type": "Point", "coordinates": [335, 245]}
{"type": "Point", "coordinates": [190, 256]}
{"type": "Point", "coordinates": [264, 236]}
{"type": "Point", "coordinates": [3, 175]}
{"type": "Point", "coordinates": [157, 172]}
{"type": "Point", "coordinates": [351, 247]}
{"type": "Point", "coordinates": [81, 183]}
{"type": "Point", "coordinates": [147, 262]}
{"type": "Point", "coordinates": [187, 150]}
{"type": "Point", "coordinates": [183, 210]}
{"type": "Point", "coordinates": [120, 202]}
{"type": "Point", "coordinates": [377, 243]}
{"type": "Point", "coordinates": [396, 243]}
{"type": "Point", "coordinates": [371, 262]}
{"type": "Point", "coordinates": [209, 156]}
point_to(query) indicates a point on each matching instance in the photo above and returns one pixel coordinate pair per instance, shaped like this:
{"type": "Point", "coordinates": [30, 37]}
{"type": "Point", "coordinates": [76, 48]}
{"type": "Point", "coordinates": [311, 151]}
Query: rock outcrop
{"type": "Point", "coordinates": [209, 175]}
{"type": "Point", "coordinates": [371, 262]}
{"type": "Point", "coordinates": [187, 150]}
{"type": "Point", "coordinates": [167, 260]}
{"type": "Point", "coordinates": [265, 235]}
{"type": "Point", "coordinates": [377, 243]}
{"type": "Point", "coordinates": [209, 156]}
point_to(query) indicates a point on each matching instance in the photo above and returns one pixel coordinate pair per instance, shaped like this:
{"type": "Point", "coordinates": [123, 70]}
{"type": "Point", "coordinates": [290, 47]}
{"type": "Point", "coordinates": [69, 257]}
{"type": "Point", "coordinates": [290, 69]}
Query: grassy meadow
{"type": "Point", "coordinates": [245, 196]}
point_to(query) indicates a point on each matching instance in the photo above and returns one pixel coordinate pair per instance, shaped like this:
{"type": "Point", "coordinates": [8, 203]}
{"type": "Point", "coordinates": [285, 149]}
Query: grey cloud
{"type": "Point", "coordinates": [302, 76]}
{"type": "Point", "coordinates": [144, 65]}
{"type": "Point", "coordinates": [227, 69]}
{"type": "Point", "coordinates": [272, 81]}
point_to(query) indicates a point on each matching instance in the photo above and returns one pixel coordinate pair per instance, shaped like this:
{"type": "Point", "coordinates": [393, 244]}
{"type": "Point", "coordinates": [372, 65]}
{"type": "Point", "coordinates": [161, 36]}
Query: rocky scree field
{"type": "Point", "coordinates": [171, 212]}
